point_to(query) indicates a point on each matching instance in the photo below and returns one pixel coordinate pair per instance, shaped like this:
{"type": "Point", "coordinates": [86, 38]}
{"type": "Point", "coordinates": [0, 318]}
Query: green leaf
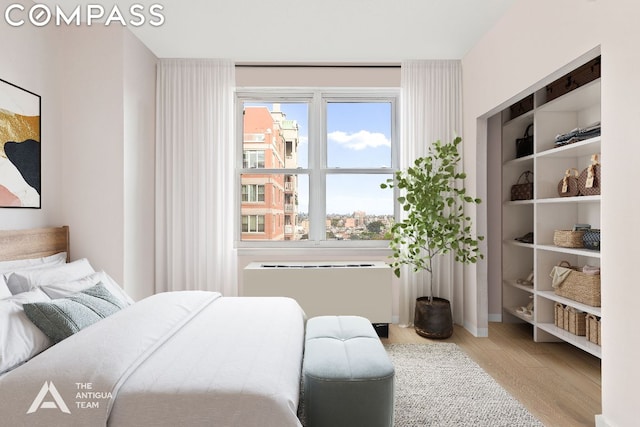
{"type": "Point", "coordinates": [433, 200]}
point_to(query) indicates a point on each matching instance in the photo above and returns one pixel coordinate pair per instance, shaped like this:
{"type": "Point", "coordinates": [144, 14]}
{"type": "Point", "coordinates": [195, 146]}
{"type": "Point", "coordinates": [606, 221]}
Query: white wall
{"type": "Point", "coordinates": [98, 129]}
{"type": "Point", "coordinates": [494, 219]}
{"type": "Point", "coordinates": [139, 167]}
{"type": "Point", "coordinates": [511, 58]}
{"type": "Point", "coordinates": [90, 81]}
{"type": "Point", "coordinates": [106, 79]}
{"type": "Point", "coordinates": [26, 62]}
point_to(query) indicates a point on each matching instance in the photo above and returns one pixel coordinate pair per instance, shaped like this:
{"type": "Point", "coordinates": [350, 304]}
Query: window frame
{"type": "Point", "coordinates": [256, 217]}
{"type": "Point", "coordinates": [317, 169]}
{"type": "Point", "coordinates": [255, 193]}
{"type": "Point", "coordinates": [253, 153]}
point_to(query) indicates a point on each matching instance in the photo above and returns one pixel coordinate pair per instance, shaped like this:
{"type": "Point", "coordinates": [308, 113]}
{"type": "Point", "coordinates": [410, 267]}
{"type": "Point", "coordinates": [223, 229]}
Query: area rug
{"type": "Point", "coordinates": [439, 385]}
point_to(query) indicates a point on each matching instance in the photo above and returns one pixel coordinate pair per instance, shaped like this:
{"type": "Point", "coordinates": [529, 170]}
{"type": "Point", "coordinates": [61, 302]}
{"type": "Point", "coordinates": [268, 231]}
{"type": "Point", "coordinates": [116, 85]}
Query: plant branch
{"type": "Point", "coordinates": [433, 198]}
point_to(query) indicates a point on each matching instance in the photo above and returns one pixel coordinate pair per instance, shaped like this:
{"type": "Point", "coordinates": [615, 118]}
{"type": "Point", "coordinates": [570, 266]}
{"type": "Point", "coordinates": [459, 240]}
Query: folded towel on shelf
{"type": "Point", "coordinates": [558, 275]}
{"type": "Point", "coordinates": [591, 270]}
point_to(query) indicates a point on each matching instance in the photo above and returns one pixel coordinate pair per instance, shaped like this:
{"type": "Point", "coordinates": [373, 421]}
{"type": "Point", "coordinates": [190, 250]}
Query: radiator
{"type": "Point", "coordinates": [326, 288]}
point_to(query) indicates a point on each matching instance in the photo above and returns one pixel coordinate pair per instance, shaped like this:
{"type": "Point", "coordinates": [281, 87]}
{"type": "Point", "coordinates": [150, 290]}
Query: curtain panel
{"type": "Point", "coordinates": [431, 110]}
{"type": "Point", "coordinates": [195, 180]}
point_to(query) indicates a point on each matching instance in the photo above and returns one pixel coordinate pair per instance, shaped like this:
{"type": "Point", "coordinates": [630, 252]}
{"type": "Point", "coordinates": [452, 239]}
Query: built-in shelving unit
{"type": "Point", "coordinates": [547, 211]}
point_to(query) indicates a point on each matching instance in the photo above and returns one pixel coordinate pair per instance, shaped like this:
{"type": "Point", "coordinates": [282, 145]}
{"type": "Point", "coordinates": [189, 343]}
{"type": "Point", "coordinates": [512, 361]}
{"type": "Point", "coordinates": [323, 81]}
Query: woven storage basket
{"type": "Point", "coordinates": [593, 329]}
{"type": "Point", "coordinates": [558, 315]}
{"type": "Point", "coordinates": [576, 321]}
{"type": "Point", "coordinates": [568, 238]}
{"type": "Point", "coordinates": [581, 287]}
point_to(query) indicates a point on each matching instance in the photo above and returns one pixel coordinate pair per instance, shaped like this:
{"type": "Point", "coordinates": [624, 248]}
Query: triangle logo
{"type": "Point", "coordinates": [40, 403]}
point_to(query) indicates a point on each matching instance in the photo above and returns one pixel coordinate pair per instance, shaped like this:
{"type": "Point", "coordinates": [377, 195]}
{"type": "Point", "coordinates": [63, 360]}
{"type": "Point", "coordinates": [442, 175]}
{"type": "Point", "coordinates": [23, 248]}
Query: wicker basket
{"type": "Point", "coordinates": [577, 321]}
{"type": "Point", "coordinates": [593, 329]}
{"type": "Point", "coordinates": [581, 287]}
{"type": "Point", "coordinates": [558, 315]}
{"type": "Point", "coordinates": [568, 238]}
{"type": "Point", "coordinates": [570, 319]}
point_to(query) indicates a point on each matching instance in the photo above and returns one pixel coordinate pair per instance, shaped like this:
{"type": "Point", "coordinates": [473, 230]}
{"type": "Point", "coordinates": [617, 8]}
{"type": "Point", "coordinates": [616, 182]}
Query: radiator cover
{"type": "Point", "coordinates": [360, 288]}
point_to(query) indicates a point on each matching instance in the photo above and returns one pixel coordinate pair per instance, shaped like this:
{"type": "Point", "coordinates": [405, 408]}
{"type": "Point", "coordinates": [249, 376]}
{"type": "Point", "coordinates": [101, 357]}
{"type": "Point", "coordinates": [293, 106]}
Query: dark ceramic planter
{"type": "Point", "coordinates": [433, 320]}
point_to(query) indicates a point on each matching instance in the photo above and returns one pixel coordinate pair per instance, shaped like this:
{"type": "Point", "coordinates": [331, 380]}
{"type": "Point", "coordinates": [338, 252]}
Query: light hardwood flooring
{"type": "Point", "coordinates": [556, 382]}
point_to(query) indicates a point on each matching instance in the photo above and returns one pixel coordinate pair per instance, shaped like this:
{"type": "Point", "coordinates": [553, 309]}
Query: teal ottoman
{"type": "Point", "coordinates": [347, 374]}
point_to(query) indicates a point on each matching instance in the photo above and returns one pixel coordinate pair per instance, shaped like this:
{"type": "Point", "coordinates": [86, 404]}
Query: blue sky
{"type": "Point", "coordinates": [358, 136]}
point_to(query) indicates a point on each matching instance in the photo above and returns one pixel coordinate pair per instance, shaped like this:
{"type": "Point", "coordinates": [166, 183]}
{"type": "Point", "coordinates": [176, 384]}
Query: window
{"type": "Point", "coordinates": [253, 159]}
{"type": "Point", "coordinates": [253, 193]}
{"type": "Point", "coordinates": [328, 151]}
{"type": "Point", "coordinates": [253, 223]}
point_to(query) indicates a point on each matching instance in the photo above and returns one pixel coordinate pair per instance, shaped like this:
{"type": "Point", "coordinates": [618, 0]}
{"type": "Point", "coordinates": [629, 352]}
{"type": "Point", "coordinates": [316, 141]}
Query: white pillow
{"type": "Point", "coordinates": [8, 267]}
{"type": "Point", "coordinates": [4, 289]}
{"type": "Point", "coordinates": [26, 280]}
{"type": "Point", "coordinates": [22, 264]}
{"type": "Point", "coordinates": [20, 339]}
{"type": "Point", "coordinates": [61, 290]}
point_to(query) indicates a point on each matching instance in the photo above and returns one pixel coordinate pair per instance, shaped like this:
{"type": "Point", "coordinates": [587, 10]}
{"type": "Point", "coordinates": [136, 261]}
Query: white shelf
{"type": "Point", "coordinates": [578, 341]}
{"type": "Point", "coordinates": [577, 149]}
{"type": "Point", "coordinates": [518, 202]}
{"type": "Point", "coordinates": [575, 100]}
{"type": "Point", "coordinates": [576, 199]}
{"type": "Point", "coordinates": [513, 312]}
{"type": "Point", "coordinates": [521, 120]}
{"type": "Point", "coordinates": [566, 301]}
{"type": "Point", "coordinates": [520, 160]}
{"type": "Point", "coordinates": [514, 284]}
{"type": "Point", "coordinates": [573, 251]}
{"type": "Point", "coordinates": [548, 212]}
{"type": "Point", "coordinates": [516, 243]}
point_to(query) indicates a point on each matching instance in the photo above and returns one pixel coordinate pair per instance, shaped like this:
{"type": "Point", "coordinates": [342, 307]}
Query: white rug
{"type": "Point", "coordinates": [439, 385]}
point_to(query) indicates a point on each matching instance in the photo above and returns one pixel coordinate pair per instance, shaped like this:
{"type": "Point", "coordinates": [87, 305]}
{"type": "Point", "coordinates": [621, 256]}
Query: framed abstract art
{"type": "Point", "coordinates": [20, 147]}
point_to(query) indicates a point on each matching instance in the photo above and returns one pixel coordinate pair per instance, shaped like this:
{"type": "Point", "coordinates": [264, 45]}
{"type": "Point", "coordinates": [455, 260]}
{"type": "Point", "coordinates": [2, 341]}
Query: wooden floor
{"type": "Point", "coordinates": [557, 382]}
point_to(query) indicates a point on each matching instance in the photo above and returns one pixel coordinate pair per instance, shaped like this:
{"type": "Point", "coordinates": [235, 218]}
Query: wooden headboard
{"type": "Point", "coordinates": [33, 243]}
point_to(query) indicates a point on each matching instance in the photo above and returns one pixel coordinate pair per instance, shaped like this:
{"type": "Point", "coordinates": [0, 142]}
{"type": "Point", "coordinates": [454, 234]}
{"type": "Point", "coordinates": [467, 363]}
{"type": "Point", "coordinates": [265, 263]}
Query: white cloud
{"type": "Point", "coordinates": [359, 140]}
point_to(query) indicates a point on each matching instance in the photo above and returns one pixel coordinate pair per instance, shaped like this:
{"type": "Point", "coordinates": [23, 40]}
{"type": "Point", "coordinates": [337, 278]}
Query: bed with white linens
{"type": "Point", "coordinates": [189, 358]}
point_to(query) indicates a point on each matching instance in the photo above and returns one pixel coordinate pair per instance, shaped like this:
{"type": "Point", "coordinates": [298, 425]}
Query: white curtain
{"type": "Point", "coordinates": [431, 110]}
{"type": "Point", "coordinates": [195, 182]}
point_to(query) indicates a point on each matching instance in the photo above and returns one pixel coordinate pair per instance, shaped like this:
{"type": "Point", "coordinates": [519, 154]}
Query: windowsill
{"type": "Point", "coordinates": [317, 251]}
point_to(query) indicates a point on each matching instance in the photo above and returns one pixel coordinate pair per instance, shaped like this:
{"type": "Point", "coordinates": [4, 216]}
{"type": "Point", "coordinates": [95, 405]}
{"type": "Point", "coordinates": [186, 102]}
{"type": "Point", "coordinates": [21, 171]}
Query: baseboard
{"type": "Point", "coordinates": [602, 422]}
{"type": "Point", "coordinates": [495, 317]}
{"type": "Point", "coordinates": [395, 319]}
{"type": "Point", "coordinates": [476, 332]}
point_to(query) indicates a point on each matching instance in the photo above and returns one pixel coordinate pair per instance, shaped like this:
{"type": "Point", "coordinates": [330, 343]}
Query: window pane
{"type": "Point", "coordinates": [357, 208]}
{"type": "Point", "coordinates": [359, 134]}
{"type": "Point", "coordinates": [275, 135]}
{"type": "Point", "coordinates": [276, 207]}
{"type": "Point", "coordinates": [253, 193]}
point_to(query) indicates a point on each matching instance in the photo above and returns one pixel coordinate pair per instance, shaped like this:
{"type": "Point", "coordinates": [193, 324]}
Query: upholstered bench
{"type": "Point", "coordinates": [347, 374]}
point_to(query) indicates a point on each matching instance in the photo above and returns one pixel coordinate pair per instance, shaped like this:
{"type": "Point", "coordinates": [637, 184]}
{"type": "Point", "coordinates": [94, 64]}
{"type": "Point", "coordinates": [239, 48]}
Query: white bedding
{"type": "Point", "coordinates": [181, 358]}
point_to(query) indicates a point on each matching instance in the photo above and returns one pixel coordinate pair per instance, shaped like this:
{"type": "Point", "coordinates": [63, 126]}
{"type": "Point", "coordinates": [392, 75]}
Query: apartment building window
{"type": "Point", "coordinates": [253, 159]}
{"type": "Point", "coordinates": [328, 152]}
{"type": "Point", "coordinates": [253, 223]}
{"type": "Point", "coordinates": [253, 193]}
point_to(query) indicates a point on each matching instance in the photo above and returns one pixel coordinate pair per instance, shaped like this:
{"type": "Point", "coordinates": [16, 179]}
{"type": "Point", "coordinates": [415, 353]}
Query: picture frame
{"type": "Point", "coordinates": [20, 147]}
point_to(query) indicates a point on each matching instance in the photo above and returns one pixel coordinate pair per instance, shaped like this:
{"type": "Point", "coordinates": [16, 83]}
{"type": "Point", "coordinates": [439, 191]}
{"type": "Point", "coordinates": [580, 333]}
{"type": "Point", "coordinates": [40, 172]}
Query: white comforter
{"type": "Point", "coordinates": [181, 358]}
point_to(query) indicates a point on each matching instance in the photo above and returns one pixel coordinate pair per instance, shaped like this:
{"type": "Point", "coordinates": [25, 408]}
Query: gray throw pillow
{"type": "Point", "coordinates": [63, 317]}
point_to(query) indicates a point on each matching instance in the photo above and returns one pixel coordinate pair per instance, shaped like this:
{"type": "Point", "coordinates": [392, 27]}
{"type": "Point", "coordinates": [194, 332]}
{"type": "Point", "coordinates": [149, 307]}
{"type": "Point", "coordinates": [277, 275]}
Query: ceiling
{"type": "Point", "coordinates": [374, 31]}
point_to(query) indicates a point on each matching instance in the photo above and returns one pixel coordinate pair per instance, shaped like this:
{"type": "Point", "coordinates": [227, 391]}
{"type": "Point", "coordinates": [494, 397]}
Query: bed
{"type": "Point", "coordinates": [179, 358]}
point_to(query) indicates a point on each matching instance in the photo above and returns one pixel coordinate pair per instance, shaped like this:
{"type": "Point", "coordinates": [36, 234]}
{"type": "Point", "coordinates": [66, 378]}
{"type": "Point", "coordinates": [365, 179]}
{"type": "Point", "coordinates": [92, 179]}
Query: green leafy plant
{"type": "Point", "coordinates": [433, 196]}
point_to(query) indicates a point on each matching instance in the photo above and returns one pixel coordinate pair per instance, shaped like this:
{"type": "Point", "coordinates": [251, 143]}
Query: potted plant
{"type": "Point", "coordinates": [432, 196]}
